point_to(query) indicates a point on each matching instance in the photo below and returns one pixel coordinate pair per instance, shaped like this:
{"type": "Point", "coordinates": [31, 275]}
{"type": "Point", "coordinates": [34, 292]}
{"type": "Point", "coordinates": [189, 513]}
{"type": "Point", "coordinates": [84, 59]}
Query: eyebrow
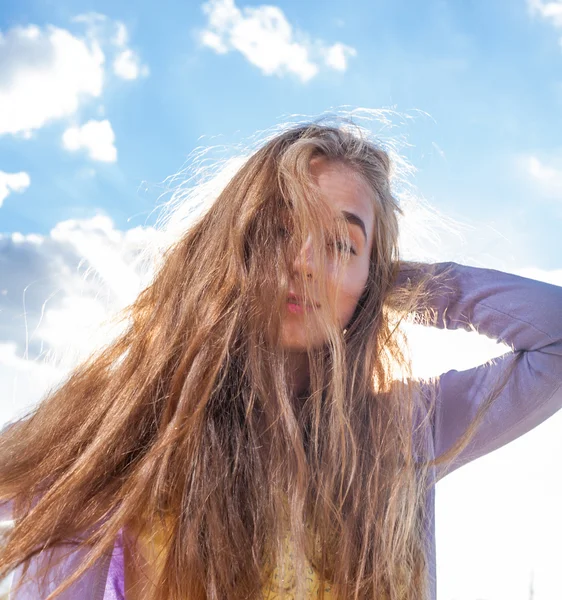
{"type": "Point", "coordinates": [355, 220]}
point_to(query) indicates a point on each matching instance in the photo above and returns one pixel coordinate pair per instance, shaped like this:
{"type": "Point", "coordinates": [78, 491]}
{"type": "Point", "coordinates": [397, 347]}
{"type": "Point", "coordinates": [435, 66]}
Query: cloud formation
{"type": "Point", "coordinates": [44, 75]}
{"type": "Point", "coordinates": [264, 36]}
{"type": "Point", "coordinates": [550, 11]}
{"type": "Point", "coordinates": [337, 55]}
{"type": "Point", "coordinates": [97, 137]}
{"type": "Point", "coordinates": [12, 182]}
{"type": "Point", "coordinates": [56, 292]}
{"type": "Point", "coordinates": [547, 177]}
{"type": "Point", "coordinates": [127, 63]}
{"type": "Point", "coordinates": [48, 73]}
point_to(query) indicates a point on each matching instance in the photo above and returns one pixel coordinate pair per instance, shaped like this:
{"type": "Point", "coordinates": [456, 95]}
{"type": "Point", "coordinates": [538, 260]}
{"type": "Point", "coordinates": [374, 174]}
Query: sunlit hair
{"type": "Point", "coordinates": [185, 422]}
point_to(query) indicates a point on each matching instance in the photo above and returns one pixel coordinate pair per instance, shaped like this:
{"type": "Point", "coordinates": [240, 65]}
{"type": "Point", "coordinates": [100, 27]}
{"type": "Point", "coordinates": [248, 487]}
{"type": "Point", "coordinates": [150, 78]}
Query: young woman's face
{"type": "Point", "coordinates": [351, 198]}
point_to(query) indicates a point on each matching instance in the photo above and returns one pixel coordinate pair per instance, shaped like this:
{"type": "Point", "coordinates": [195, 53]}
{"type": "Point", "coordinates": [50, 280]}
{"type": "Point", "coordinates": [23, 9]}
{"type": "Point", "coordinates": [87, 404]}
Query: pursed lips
{"type": "Point", "coordinates": [293, 298]}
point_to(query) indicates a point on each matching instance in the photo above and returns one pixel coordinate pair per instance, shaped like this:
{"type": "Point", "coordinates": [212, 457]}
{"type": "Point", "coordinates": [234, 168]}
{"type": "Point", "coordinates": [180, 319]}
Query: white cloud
{"type": "Point", "coordinates": [554, 277]}
{"type": "Point", "coordinates": [551, 11]}
{"type": "Point", "coordinates": [45, 75]}
{"type": "Point", "coordinates": [13, 182]}
{"type": "Point", "coordinates": [214, 41]}
{"type": "Point", "coordinates": [97, 137]}
{"type": "Point", "coordinates": [547, 177]}
{"type": "Point", "coordinates": [127, 65]}
{"type": "Point", "coordinates": [94, 21]}
{"type": "Point", "coordinates": [337, 56]}
{"type": "Point", "coordinates": [121, 36]}
{"type": "Point", "coordinates": [264, 36]}
{"type": "Point", "coordinates": [57, 291]}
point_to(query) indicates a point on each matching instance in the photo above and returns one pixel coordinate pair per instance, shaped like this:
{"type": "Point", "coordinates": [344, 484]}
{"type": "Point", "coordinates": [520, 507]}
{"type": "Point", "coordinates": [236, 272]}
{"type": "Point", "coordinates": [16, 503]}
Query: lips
{"type": "Point", "coordinates": [293, 298]}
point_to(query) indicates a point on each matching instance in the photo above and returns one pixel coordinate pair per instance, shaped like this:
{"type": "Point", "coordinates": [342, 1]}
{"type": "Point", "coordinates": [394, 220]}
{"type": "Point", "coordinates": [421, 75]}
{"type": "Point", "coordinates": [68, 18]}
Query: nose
{"type": "Point", "coordinates": [304, 260]}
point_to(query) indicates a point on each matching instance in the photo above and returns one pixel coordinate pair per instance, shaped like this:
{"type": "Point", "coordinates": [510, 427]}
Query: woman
{"type": "Point", "coordinates": [255, 432]}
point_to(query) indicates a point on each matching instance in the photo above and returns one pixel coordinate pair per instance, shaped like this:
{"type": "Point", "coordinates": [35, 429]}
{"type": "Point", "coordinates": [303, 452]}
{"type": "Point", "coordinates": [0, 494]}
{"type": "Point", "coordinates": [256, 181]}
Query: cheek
{"type": "Point", "coordinates": [351, 291]}
{"type": "Point", "coordinates": [295, 327]}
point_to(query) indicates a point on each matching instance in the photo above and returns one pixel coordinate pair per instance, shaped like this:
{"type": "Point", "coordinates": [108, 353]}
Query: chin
{"type": "Point", "coordinates": [299, 344]}
{"type": "Point", "coordinates": [294, 338]}
{"type": "Point", "coordinates": [294, 345]}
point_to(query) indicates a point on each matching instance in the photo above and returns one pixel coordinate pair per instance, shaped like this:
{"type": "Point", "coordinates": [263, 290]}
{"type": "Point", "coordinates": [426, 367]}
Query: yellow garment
{"type": "Point", "coordinates": [280, 587]}
{"type": "Point", "coordinates": [283, 580]}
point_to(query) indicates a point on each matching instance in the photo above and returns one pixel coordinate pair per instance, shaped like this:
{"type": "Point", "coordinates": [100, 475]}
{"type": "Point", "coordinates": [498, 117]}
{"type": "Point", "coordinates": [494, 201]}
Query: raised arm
{"type": "Point", "coordinates": [526, 315]}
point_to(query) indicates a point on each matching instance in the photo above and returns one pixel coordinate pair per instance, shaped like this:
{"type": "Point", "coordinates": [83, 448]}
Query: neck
{"type": "Point", "coordinates": [298, 373]}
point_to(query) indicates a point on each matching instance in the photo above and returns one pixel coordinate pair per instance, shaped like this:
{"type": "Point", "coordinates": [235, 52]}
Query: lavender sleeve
{"type": "Point", "coordinates": [65, 561]}
{"type": "Point", "coordinates": [526, 315]}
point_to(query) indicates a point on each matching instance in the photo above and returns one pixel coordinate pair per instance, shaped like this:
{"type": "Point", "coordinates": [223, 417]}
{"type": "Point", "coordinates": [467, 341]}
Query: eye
{"type": "Point", "coordinates": [343, 247]}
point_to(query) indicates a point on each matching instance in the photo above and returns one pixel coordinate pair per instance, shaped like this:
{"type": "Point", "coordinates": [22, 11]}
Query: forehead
{"type": "Point", "coordinates": [345, 189]}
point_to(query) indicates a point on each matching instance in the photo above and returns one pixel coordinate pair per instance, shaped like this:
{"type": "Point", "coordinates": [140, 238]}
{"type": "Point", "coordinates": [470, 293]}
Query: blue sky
{"type": "Point", "coordinates": [488, 74]}
{"type": "Point", "coordinates": [101, 102]}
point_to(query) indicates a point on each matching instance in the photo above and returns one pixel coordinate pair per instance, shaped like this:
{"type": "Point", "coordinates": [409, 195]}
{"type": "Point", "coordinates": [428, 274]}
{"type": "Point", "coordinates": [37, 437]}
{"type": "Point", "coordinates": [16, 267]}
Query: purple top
{"type": "Point", "coordinates": [521, 312]}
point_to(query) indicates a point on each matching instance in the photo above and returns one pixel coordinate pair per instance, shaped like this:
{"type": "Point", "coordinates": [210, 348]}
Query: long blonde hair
{"type": "Point", "coordinates": [186, 419]}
